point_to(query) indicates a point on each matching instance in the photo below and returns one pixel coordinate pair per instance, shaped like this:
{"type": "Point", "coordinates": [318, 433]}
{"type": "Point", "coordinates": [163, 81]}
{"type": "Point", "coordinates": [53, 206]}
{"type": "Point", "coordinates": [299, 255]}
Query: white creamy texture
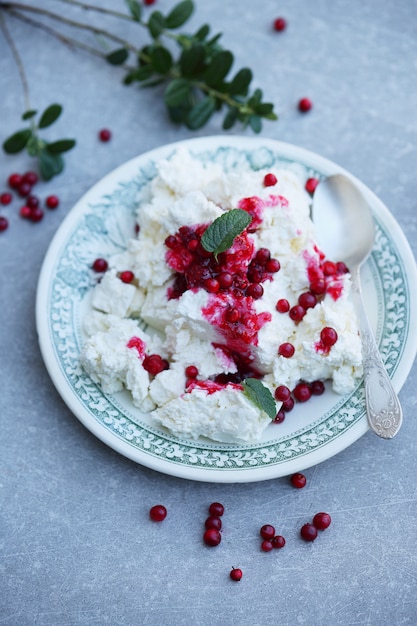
{"type": "Point", "coordinates": [187, 192]}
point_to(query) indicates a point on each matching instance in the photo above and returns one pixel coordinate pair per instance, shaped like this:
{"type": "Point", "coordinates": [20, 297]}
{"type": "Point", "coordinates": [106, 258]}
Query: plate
{"type": "Point", "coordinates": [100, 225]}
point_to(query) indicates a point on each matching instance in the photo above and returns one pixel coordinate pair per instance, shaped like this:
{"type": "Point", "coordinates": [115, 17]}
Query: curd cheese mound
{"type": "Point", "coordinates": [271, 307]}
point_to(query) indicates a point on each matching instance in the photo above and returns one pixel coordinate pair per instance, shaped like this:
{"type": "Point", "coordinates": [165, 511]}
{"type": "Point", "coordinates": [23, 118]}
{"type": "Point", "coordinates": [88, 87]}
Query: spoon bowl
{"type": "Point", "coordinates": [346, 232]}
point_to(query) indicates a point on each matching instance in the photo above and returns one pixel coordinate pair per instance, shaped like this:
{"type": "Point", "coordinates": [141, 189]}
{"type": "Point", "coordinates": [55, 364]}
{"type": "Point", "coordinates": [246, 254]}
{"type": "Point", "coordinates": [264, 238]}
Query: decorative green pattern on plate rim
{"type": "Point", "coordinates": [105, 228]}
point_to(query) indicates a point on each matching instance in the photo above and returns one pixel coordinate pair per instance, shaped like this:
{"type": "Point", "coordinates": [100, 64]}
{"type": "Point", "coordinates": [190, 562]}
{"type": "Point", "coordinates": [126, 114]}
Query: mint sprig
{"type": "Point", "coordinates": [221, 233]}
{"type": "Point", "coordinates": [260, 395]}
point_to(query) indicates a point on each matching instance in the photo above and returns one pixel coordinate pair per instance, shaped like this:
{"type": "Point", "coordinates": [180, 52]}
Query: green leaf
{"type": "Point", "coordinates": [260, 396]}
{"type": "Point", "coordinates": [142, 73]}
{"type": "Point", "coordinates": [117, 57]}
{"type": "Point", "coordinates": [201, 113]}
{"type": "Point", "coordinates": [27, 115]}
{"type": "Point", "coordinates": [241, 82]}
{"type": "Point", "coordinates": [192, 60]}
{"type": "Point", "coordinates": [218, 68]}
{"type": "Point", "coordinates": [179, 14]}
{"type": "Point", "coordinates": [202, 32]}
{"type": "Point", "coordinates": [221, 233]}
{"type": "Point", "coordinates": [177, 92]}
{"type": "Point", "coordinates": [63, 145]}
{"type": "Point", "coordinates": [263, 108]}
{"type": "Point", "coordinates": [50, 164]}
{"type": "Point", "coordinates": [161, 59]}
{"type": "Point", "coordinates": [179, 114]}
{"type": "Point", "coordinates": [50, 115]}
{"type": "Point", "coordinates": [34, 146]}
{"type": "Point", "coordinates": [230, 118]}
{"type": "Point", "coordinates": [135, 9]}
{"type": "Point", "coordinates": [156, 24]}
{"type": "Point", "coordinates": [17, 141]}
{"type": "Point", "coordinates": [255, 123]}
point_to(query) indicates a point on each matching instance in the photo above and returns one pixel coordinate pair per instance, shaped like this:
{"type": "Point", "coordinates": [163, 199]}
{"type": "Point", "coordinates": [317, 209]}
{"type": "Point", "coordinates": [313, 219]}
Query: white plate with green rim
{"type": "Point", "coordinates": [101, 223]}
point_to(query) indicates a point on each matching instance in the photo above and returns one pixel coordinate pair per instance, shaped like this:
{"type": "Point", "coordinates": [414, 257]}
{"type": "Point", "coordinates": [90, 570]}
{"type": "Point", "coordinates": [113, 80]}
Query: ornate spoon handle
{"type": "Point", "coordinates": [382, 404]}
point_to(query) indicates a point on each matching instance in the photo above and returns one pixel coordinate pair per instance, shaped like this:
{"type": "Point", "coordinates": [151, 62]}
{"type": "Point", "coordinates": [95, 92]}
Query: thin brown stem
{"type": "Point", "coordinates": [91, 7]}
{"type": "Point", "coordinates": [18, 61]}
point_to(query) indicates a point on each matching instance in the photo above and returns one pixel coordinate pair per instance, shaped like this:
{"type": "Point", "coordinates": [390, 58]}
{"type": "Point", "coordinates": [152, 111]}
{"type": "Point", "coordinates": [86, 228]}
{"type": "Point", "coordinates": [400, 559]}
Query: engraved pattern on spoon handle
{"type": "Point", "coordinates": [383, 407]}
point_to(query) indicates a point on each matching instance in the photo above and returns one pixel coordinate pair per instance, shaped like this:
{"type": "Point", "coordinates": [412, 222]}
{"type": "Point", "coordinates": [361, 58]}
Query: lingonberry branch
{"type": "Point", "coordinates": [18, 61]}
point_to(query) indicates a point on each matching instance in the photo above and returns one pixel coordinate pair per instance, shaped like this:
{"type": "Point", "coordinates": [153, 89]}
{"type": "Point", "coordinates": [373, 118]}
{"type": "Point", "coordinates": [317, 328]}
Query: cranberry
{"type": "Point", "coordinates": [280, 24]}
{"type": "Point", "coordinates": [286, 350]}
{"type": "Point", "coordinates": [311, 184]}
{"type": "Point", "coordinates": [307, 300]}
{"type": "Point", "coordinates": [236, 574]}
{"type": "Point", "coordinates": [225, 280]}
{"type": "Point", "coordinates": [213, 522]}
{"type": "Point", "coordinates": [282, 393]}
{"type": "Point", "coordinates": [308, 532]}
{"type": "Point", "coordinates": [52, 202]}
{"type": "Point", "coordinates": [270, 180]}
{"type": "Point", "coordinates": [263, 255]}
{"type": "Point", "coordinates": [32, 201]}
{"type": "Point", "coordinates": [328, 336]}
{"type": "Point", "coordinates": [288, 405]}
{"type": "Point", "coordinates": [272, 266]}
{"type": "Point", "coordinates": [298, 480]}
{"type": "Point", "coordinates": [100, 265]}
{"type": "Point", "coordinates": [267, 531]}
{"type": "Point", "coordinates": [24, 189]}
{"type": "Point", "coordinates": [279, 417]}
{"type": "Point", "coordinates": [149, 2]}
{"type": "Point", "coordinates": [302, 392]}
{"type": "Point", "coordinates": [318, 286]}
{"type": "Point", "coordinates": [154, 364]}
{"type": "Point", "coordinates": [282, 306]}
{"type": "Point", "coordinates": [212, 537]}
{"type": "Point", "coordinates": [191, 371]}
{"type": "Point", "coordinates": [14, 180]}
{"type": "Point", "coordinates": [297, 313]}
{"type": "Point", "coordinates": [104, 135]}
{"type": "Point", "coordinates": [127, 276]}
{"type": "Point", "coordinates": [216, 508]}
{"type": "Point", "coordinates": [193, 245]}
{"type": "Point", "coordinates": [5, 198]}
{"type": "Point", "coordinates": [31, 178]}
{"type": "Point", "coordinates": [212, 285]}
{"type": "Point", "coordinates": [25, 211]}
{"type": "Point", "coordinates": [255, 291]}
{"type": "Point", "coordinates": [305, 105]}
{"type": "Point", "coordinates": [317, 388]}
{"type": "Point", "coordinates": [322, 521]}
{"type": "Point", "coordinates": [266, 545]}
{"type": "Point", "coordinates": [329, 268]}
{"type": "Point", "coordinates": [171, 242]}
{"type": "Point", "coordinates": [232, 315]}
{"type": "Point", "coordinates": [36, 214]}
{"type": "Point", "coordinates": [4, 223]}
{"type": "Point", "coordinates": [342, 268]}
{"type": "Point", "coordinates": [158, 513]}
{"type": "Point", "coordinates": [278, 541]}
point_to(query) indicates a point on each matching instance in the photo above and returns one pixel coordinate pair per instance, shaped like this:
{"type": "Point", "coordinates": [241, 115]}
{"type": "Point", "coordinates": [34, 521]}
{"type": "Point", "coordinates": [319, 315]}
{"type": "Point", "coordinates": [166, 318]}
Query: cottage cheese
{"type": "Point", "coordinates": [226, 332]}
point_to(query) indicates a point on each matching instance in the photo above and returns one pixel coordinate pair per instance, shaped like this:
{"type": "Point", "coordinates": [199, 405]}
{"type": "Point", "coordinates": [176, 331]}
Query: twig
{"type": "Point", "coordinates": [18, 61]}
{"type": "Point", "coordinates": [91, 7]}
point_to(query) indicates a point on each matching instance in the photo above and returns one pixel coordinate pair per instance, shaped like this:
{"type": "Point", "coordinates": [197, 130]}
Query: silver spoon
{"type": "Point", "coordinates": [346, 232]}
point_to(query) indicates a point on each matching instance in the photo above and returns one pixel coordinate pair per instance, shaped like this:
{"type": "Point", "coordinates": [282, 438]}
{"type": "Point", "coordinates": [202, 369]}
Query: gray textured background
{"type": "Point", "coordinates": [76, 543]}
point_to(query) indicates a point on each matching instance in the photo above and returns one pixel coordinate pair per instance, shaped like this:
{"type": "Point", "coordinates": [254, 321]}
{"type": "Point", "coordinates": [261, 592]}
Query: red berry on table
{"type": "Point", "coordinates": [213, 522]}
{"type": "Point", "coordinates": [311, 184]}
{"type": "Point", "coordinates": [158, 513]}
{"type": "Point", "coordinates": [14, 180]}
{"type": "Point", "coordinates": [270, 180]}
{"type": "Point", "coordinates": [266, 545]}
{"type": "Point", "coordinates": [127, 276]}
{"type": "Point", "coordinates": [52, 202]}
{"type": "Point", "coordinates": [4, 223]}
{"type": "Point", "coordinates": [236, 574]}
{"type": "Point", "coordinates": [278, 542]}
{"type": "Point", "coordinates": [322, 520]}
{"type": "Point", "coordinates": [212, 537]}
{"type": "Point", "coordinates": [302, 392]}
{"type": "Point", "coordinates": [36, 214]}
{"type": "Point", "coordinates": [25, 211]}
{"type": "Point", "coordinates": [267, 531]}
{"type": "Point", "coordinates": [100, 265]}
{"type": "Point", "coordinates": [308, 532]}
{"type": "Point", "coordinates": [149, 2]}
{"type": "Point", "coordinates": [317, 387]}
{"type": "Point", "coordinates": [216, 508]}
{"type": "Point", "coordinates": [280, 24]}
{"type": "Point", "coordinates": [288, 405]}
{"type": "Point", "coordinates": [304, 105]}
{"type": "Point", "coordinates": [282, 393]}
{"type": "Point", "coordinates": [6, 198]}
{"type": "Point", "coordinates": [24, 189]}
{"type": "Point", "coordinates": [30, 177]}
{"type": "Point", "coordinates": [32, 201]}
{"type": "Point", "coordinates": [104, 135]}
{"type": "Point", "coordinates": [279, 417]}
{"type": "Point", "coordinates": [298, 480]}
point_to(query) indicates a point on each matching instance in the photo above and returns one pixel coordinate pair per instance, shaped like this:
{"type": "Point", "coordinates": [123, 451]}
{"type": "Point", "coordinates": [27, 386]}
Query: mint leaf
{"type": "Point", "coordinates": [260, 395]}
{"type": "Point", "coordinates": [219, 236]}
